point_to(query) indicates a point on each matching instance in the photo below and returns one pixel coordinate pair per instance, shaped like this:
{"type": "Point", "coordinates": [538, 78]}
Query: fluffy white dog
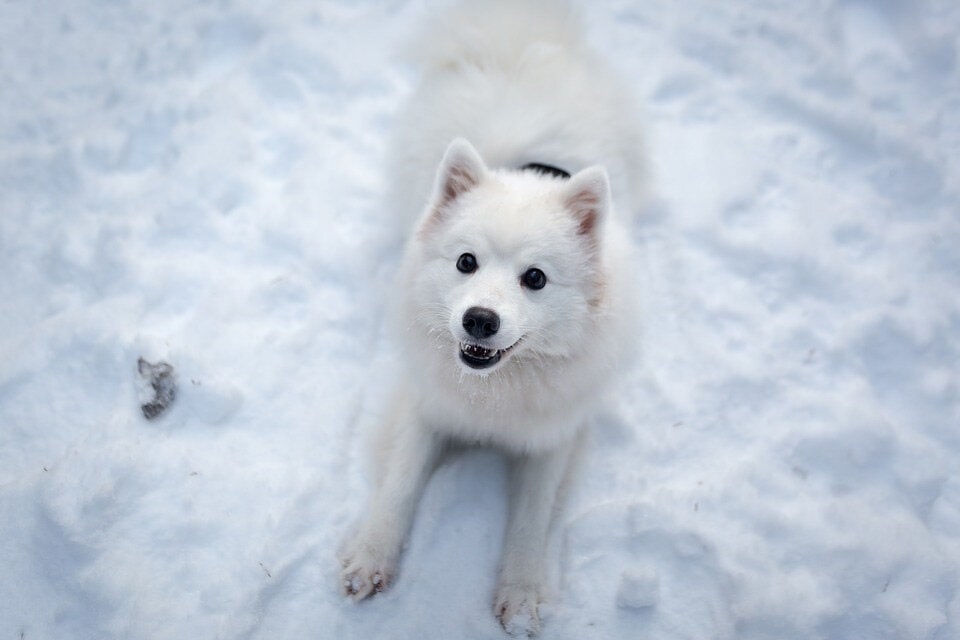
{"type": "Point", "coordinates": [515, 291]}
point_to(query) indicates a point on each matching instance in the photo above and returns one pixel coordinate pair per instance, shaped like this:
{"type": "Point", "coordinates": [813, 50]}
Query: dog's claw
{"type": "Point", "coordinates": [517, 612]}
{"type": "Point", "coordinates": [360, 581]}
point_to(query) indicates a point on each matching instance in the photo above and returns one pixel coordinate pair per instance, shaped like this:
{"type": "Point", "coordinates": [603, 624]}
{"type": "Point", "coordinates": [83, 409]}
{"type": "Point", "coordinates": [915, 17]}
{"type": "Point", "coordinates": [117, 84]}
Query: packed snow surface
{"type": "Point", "coordinates": [200, 183]}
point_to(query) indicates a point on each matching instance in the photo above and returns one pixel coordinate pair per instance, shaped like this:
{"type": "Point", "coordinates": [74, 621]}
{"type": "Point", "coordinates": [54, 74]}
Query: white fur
{"type": "Point", "coordinates": [518, 82]}
{"type": "Point", "coordinates": [516, 79]}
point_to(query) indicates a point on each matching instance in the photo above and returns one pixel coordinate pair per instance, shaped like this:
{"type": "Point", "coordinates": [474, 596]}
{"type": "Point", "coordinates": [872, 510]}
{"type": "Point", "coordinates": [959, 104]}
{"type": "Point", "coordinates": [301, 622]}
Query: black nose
{"type": "Point", "coordinates": [480, 322]}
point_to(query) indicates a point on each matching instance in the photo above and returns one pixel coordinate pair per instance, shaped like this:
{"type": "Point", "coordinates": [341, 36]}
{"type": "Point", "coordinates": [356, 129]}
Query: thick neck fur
{"type": "Point", "coordinates": [529, 403]}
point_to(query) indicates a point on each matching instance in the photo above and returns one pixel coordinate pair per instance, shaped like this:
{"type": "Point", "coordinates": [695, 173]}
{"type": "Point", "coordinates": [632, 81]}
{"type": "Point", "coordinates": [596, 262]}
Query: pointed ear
{"type": "Point", "coordinates": [587, 198]}
{"type": "Point", "coordinates": [461, 170]}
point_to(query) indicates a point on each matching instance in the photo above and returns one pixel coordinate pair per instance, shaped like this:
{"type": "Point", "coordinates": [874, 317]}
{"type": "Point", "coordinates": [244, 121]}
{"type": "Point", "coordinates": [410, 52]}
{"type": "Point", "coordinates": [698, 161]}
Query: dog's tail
{"type": "Point", "coordinates": [485, 33]}
{"type": "Point", "coordinates": [520, 81]}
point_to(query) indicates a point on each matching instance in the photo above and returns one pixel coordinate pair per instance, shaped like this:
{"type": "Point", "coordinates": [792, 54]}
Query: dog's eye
{"type": "Point", "coordinates": [466, 263]}
{"type": "Point", "coordinates": [533, 278]}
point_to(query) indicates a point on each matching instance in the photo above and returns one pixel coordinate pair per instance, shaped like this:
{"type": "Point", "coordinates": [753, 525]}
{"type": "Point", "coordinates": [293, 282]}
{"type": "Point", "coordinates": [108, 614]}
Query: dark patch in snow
{"type": "Point", "coordinates": [164, 386]}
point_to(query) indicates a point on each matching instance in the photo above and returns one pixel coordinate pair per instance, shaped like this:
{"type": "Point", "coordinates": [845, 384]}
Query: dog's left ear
{"type": "Point", "coordinates": [587, 198]}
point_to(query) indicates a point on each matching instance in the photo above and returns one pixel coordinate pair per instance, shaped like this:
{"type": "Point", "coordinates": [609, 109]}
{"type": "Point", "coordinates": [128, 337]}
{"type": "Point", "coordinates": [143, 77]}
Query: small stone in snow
{"type": "Point", "coordinates": [164, 385]}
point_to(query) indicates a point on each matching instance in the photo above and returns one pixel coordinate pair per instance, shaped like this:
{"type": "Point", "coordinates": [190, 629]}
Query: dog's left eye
{"type": "Point", "coordinates": [533, 278]}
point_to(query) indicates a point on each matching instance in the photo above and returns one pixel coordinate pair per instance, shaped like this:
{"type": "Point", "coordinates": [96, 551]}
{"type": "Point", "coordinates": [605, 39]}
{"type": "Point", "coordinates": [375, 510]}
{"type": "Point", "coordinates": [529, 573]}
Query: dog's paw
{"type": "Point", "coordinates": [516, 608]}
{"type": "Point", "coordinates": [365, 573]}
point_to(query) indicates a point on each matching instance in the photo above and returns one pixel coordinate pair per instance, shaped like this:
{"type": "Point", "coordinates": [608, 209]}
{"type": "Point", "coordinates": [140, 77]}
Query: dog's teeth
{"type": "Point", "coordinates": [477, 351]}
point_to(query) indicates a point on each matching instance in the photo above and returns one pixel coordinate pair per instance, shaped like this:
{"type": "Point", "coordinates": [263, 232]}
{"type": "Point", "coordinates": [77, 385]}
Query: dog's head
{"type": "Point", "coordinates": [508, 262]}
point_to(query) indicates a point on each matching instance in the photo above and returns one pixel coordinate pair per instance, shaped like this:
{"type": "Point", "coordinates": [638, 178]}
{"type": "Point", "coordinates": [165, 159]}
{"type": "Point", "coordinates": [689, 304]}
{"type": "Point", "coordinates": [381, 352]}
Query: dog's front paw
{"type": "Point", "coordinates": [365, 572]}
{"type": "Point", "coordinates": [516, 608]}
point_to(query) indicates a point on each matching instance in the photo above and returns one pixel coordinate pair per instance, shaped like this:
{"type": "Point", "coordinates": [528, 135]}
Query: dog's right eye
{"type": "Point", "coordinates": [466, 263]}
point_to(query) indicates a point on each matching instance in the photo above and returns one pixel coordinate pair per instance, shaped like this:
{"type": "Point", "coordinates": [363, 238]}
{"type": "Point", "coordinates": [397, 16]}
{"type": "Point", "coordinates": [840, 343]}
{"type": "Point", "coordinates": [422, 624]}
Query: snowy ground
{"type": "Point", "coordinates": [199, 182]}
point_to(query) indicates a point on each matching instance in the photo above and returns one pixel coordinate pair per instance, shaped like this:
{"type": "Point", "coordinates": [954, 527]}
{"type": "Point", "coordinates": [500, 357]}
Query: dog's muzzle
{"type": "Point", "coordinates": [479, 323]}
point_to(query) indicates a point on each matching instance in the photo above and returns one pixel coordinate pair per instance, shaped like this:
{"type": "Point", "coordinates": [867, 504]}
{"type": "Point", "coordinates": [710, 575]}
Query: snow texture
{"type": "Point", "coordinates": [639, 588]}
{"type": "Point", "coordinates": [199, 183]}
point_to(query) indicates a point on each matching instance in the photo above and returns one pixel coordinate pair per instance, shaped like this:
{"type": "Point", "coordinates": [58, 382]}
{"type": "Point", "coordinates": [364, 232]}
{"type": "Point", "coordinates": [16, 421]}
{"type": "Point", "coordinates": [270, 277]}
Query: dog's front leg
{"type": "Point", "coordinates": [535, 484]}
{"type": "Point", "coordinates": [409, 453]}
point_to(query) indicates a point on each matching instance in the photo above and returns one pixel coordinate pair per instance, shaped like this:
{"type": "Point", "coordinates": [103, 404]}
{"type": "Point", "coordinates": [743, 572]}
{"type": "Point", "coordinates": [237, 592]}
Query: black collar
{"type": "Point", "coordinates": [546, 169]}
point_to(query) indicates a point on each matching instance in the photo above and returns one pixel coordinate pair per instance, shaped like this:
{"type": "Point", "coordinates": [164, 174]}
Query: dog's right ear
{"type": "Point", "coordinates": [461, 170]}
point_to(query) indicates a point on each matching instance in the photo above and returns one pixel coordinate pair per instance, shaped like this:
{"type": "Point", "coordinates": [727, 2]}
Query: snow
{"type": "Point", "coordinates": [639, 588]}
{"type": "Point", "coordinates": [199, 183]}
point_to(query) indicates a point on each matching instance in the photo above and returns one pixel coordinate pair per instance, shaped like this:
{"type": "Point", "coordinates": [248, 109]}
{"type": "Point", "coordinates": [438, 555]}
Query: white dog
{"type": "Point", "coordinates": [515, 292]}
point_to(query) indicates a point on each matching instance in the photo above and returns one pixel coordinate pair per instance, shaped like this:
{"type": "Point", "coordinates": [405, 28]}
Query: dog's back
{"type": "Point", "coordinates": [517, 80]}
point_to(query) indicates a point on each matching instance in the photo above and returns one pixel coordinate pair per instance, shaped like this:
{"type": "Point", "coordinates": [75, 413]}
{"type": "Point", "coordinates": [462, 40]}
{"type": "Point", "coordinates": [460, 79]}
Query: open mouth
{"type": "Point", "coordinates": [478, 357]}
